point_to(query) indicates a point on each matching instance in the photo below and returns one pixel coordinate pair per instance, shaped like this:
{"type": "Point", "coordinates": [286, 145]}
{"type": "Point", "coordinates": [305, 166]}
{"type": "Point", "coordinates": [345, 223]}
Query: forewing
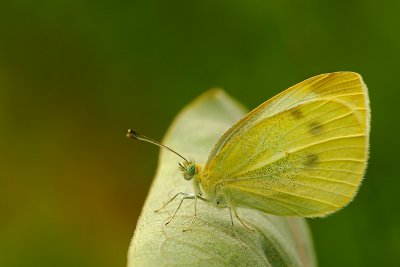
{"type": "Point", "coordinates": [346, 87]}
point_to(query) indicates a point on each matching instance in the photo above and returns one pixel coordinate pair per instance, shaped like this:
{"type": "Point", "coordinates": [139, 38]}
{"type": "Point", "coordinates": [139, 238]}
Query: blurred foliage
{"type": "Point", "coordinates": [74, 75]}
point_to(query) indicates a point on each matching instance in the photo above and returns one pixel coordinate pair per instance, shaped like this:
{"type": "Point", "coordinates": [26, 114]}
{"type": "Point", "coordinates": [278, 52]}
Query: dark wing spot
{"type": "Point", "coordinates": [311, 160]}
{"type": "Point", "coordinates": [297, 114]}
{"type": "Point", "coordinates": [315, 128]}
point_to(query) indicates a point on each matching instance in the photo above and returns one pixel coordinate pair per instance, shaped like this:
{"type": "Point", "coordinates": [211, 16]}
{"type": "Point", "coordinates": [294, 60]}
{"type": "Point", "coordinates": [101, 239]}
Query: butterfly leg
{"type": "Point", "coordinates": [233, 228]}
{"type": "Point", "coordinates": [169, 201]}
{"type": "Point", "coordinates": [187, 196]}
{"type": "Point", "coordinates": [242, 222]}
{"type": "Point", "coordinates": [194, 216]}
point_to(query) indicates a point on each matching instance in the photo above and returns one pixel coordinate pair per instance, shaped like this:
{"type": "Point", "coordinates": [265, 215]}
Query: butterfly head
{"type": "Point", "coordinates": [189, 169]}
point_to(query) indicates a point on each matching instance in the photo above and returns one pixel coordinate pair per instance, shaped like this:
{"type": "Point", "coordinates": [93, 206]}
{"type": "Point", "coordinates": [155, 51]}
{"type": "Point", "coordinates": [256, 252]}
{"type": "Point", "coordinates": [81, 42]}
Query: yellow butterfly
{"type": "Point", "coordinates": [301, 153]}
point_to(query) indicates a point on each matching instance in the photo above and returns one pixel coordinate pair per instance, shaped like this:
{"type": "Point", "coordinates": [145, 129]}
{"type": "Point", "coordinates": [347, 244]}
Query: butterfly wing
{"type": "Point", "coordinates": [347, 87]}
{"type": "Point", "coordinates": [301, 153]}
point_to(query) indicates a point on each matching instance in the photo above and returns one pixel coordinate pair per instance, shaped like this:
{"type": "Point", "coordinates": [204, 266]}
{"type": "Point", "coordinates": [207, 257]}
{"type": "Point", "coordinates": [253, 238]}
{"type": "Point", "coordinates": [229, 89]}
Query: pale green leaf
{"type": "Point", "coordinates": [278, 241]}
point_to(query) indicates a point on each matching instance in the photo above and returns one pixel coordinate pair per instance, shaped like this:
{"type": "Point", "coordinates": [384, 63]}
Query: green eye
{"type": "Point", "coordinates": [191, 169]}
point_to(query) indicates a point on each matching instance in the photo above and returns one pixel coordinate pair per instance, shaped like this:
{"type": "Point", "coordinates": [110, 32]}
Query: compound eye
{"type": "Point", "coordinates": [191, 169]}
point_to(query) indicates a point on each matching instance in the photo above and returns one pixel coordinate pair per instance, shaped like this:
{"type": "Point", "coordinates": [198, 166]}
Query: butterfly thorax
{"type": "Point", "coordinates": [216, 193]}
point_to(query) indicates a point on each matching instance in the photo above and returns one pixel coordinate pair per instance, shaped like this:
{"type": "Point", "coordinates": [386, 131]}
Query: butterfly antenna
{"type": "Point", "coordinates": [134, 135]}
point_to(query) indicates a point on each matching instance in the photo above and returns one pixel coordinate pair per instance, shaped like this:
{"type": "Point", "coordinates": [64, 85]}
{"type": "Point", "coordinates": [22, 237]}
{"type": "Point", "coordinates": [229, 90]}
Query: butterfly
{"type": "Point", "coordinates": [302, 153]}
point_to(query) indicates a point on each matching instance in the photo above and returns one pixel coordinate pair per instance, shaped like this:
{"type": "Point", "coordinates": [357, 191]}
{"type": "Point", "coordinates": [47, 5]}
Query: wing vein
{"type": "Point", "coordinates": [338, 148]}
{"type": "Point", "coordinates": [344, 95]}
{"type": "Point", "coordinates": [326, 169]}
{"type": "Point", "coordinates": [331, 85]}
{"type": "Point", "coordinates": [283, 99]}
{"type": "Point", "coordinates": [313, 187]}
{"type": "Point", "coordinates": [344, 159]}
{"type": "Point", "coordinates": [288, 193]}
{"type": "Point", "coordinates": [307, 176]}
{"type": "Point", "coordinates": [325, 141]}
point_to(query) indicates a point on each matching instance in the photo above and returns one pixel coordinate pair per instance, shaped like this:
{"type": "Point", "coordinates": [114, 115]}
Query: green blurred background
{"type": "Point", "coordinates": [74, 75]}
